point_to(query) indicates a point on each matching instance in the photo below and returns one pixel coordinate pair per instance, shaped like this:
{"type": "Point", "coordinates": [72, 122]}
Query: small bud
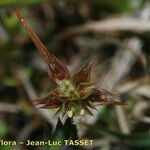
{"type": "Point", "coordinates": [70, 113]}
{"type": "Point", "coordinates": [82, 112]}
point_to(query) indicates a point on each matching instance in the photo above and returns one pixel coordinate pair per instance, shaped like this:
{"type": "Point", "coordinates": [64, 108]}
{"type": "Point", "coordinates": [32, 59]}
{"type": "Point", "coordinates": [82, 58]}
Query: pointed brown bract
{"type": "Point", "coordinates": [104, 97]}
{"type": "Point", "coordinates": [50, 101]}
{"type": "Point", "coordinates": [85, 89]}
{"type": "Point", "coordinates": [83, 74]}
{"type": "Point", "coordinates": [56, 68]}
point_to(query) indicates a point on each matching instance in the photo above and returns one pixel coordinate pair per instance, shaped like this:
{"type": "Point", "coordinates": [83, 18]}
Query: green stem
{"type": "Point", "coordinates": [8, 3]}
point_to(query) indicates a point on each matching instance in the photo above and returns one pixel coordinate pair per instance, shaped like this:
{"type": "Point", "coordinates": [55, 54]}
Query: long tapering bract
{"type": "Point", "coordinates": [56, 68]}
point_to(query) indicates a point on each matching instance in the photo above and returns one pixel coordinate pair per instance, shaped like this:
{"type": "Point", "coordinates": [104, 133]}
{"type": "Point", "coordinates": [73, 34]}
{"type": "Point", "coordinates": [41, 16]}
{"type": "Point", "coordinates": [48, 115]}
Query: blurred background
{"type": "Point", "coordinates": [115, 35]}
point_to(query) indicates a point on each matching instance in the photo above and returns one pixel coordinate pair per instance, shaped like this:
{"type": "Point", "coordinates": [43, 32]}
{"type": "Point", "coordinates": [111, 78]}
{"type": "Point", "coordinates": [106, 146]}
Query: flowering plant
{"type": "Point", "coordinates": [72, 94]}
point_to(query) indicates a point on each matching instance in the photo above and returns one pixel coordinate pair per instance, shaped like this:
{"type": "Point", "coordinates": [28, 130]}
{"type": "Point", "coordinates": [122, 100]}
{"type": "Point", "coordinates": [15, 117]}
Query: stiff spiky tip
{"type": "Point", "coordinates": [73, 95]}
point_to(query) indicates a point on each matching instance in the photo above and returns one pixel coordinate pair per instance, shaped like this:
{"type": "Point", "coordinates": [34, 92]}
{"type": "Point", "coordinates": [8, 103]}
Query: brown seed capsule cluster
{"type": "Point", "coordinates": [73, 94]}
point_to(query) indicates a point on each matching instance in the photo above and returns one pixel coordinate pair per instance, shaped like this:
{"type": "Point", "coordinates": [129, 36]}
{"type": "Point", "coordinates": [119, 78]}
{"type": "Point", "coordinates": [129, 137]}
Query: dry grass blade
{"type": "Point", "coordinates": [107, 25]}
